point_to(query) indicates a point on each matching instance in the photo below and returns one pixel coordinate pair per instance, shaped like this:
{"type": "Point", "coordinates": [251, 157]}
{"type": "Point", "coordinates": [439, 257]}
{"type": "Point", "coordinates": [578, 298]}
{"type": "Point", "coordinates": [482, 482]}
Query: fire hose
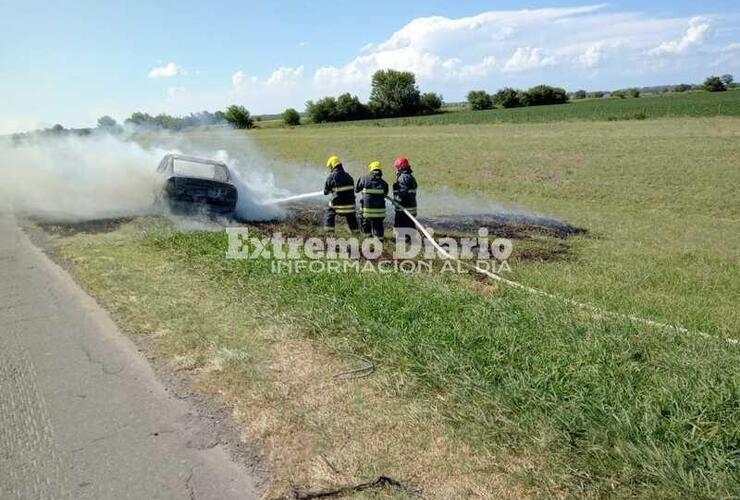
{"type": "Point", "coordinates": [595, 310]}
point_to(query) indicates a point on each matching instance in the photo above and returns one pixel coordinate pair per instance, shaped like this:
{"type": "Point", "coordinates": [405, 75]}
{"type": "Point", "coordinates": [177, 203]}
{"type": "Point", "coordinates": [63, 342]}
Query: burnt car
{"type": "Point", "coordinates": [193, 184]}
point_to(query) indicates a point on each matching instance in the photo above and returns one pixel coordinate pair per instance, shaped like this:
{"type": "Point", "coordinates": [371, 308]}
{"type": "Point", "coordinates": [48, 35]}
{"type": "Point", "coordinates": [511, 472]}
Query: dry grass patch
{"type": "Point", "coordinates": [322, 431]}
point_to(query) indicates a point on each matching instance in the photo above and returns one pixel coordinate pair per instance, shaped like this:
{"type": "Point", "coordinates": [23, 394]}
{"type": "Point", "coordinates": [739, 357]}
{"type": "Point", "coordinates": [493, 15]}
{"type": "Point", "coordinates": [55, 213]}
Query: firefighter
{"type": "Point", "coordinates": [404, 192]}
{"type": "Point", "coordinates": [341, 186]}
{"type": "Point", "coordinates": [374, 190]}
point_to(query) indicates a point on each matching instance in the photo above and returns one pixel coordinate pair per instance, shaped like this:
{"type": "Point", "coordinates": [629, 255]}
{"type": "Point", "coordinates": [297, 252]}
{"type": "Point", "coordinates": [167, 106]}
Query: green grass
{"type": "Point", "coordinates": [608, 407]}
{"type": "Point", "coordinates": [658, 197]}
{"type": "Point", "coordinates": [648, 107]}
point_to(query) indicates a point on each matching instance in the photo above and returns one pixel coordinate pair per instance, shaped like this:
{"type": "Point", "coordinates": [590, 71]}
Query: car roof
{"type": "Point", "coordinates": [195, 159]}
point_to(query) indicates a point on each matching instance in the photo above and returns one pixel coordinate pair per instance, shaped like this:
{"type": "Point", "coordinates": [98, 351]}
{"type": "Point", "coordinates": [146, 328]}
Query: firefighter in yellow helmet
{"type": "Point", "coordinates": [374, 190]}
{"type": "Point", "coordinates": [341, 186]}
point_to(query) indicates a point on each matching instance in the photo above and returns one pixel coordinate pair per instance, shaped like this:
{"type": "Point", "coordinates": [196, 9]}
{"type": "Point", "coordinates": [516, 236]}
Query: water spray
{"type": "Point", "coordinates": [295, 198]}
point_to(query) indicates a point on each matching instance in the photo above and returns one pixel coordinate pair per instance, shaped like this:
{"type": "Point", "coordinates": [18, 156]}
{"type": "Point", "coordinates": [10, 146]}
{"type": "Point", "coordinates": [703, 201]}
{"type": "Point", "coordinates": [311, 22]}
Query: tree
{"type": "Point", "coordinates": [430, 103]}
{"type": "Point", "coordinates": [579, 94]}
{"type": "Point", "coordinates": [507, 98]}
{"type": "Point", "coordinates": [140, 119]}
{"type": "Point", "coordinates": [634, 92]}
{"type": "Point", "coordinates": [349, 108]}
{"type": "Point", "coordinates": [727, 80]}
{"type": "Point", "coordinates": [714, 84]}
{"type": "Point", "coordinates": [106, 122]}
{"type": "Point", "coordinates": [323, 110]}
{"type": "Point", "coordinates": [394, 93]}
{"type": "Point", "coordinates": [598, 94]}
{"type": "Point", "coordinates": [291, 117]}
{"type": "Point", "coordinates": [541, 95]}
{"type": "Point", "coordinates": [681, 87]}
{"type": "Point", "coordinates": [619, 94]}
{"type": "Point", "coordinates": [238, 117]}
{"type": "Point", "coordinates": [480, 100]}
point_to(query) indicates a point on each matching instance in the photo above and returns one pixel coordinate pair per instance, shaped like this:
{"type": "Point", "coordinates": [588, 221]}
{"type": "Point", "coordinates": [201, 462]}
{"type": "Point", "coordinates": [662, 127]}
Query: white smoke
{"type": "Point", "coordinates": [100, 176]}
{"type": "Point", "coordinates": [70, 177]}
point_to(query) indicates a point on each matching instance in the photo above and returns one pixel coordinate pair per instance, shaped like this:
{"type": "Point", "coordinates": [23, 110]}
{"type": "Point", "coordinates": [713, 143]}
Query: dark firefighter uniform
{"type": "Point", "coordinates": [374, 190]}
{"type": "Point", "coordinates": [404, 192]}
{"type": "Point", "coordinates": [341, 186]}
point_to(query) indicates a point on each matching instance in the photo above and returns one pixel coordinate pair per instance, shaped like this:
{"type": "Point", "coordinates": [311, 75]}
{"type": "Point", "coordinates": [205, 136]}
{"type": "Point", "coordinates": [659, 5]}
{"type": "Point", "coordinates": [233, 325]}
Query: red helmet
{"type": "Point", "coordinates": [402, 162]}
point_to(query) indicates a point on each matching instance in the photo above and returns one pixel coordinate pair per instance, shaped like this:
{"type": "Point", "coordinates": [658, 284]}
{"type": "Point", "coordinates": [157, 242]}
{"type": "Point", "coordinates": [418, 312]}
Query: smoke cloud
{"type": "Point", "coordinates": [72, 177]}
{"type": "Point", "coordinates": [103, 176]}
{"type": "Point", "coordinates": [100, 176]}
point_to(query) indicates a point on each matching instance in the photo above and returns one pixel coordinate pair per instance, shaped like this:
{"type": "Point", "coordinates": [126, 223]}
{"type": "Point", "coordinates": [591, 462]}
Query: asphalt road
{"type": "Point", "coordinates": [82, 414]}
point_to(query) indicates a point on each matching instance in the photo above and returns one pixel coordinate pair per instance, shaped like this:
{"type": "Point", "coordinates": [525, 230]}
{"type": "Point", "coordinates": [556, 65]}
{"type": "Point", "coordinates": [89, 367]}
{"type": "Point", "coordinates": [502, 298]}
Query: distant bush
{"type": "Point", "coordinates": [714, 84]}
{"type": "Point", "coordinates": [291, 117]}
{"type": "Point", "coordinates": [323, 110]}
{"type": "Point", "coordinates": [430, 103]}
{"type": "Point", "coordinates": [681, 87]}
{"type": "Point", "coordinates": [480, 100]}
{"type": "Point", "coordinates": [579, 94]}
{"type": "Point", "coordinates": [542, 95]}
{"type": "Point", "coordinates": [164, 121]}
{"type": "Point", "coordinates": [238, 117]}
{"type": "Point", "coordinates": [349, 107]}
{"type": "Point", "coordinates": [507, 98]}
{"type": "Point", "coordinates": [618, 94]}
{"type": "Point", "coordinates": [109, 125]}
{"type": "Point", "coordinates": [634, 92]}
{"type": "Point", "coordinates": [344, 108]}
{"type": "Point", "coordinates": [597, 94]}
{"type": "Point", "coordinates": [106, 122]}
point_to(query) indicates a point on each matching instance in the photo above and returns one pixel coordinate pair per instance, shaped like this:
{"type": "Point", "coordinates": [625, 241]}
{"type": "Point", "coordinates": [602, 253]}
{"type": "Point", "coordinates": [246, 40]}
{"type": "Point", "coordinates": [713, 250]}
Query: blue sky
{"type": "Point", "coordinates": [73, 61]}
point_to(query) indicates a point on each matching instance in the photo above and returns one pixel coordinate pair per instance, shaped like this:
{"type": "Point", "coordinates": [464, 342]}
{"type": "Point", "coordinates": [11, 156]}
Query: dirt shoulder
{"type": "Point", "coordinates": [209, 421]}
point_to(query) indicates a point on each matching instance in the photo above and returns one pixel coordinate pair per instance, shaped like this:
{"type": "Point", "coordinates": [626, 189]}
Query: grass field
{"type": "Point", "coordinates": [659, 198]}
{"type": "Point", "coordinates": [481, 391]}
{"type": "Point", "coordinates": [607, 109]}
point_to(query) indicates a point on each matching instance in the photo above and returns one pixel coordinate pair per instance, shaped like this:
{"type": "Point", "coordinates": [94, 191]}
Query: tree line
{"type": "Point", "coordinates": [508, 97]}
{"type": "Point", "coordinates": [392, 94]}
{"type": "Point", "coordinates": [175, 123]}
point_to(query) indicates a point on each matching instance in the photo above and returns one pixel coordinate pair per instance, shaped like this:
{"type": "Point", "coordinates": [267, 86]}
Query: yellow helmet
{"type": "Point", "coordinates": [374, 166]}
{"type": "Point", "coordinates": [333, 162]}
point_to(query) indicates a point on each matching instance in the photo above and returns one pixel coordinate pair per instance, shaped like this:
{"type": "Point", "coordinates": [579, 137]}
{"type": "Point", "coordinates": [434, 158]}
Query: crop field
{"type": "Point", "coordinates": [607, 109]}
{"type": "Point", "coordinates": [480, 390]}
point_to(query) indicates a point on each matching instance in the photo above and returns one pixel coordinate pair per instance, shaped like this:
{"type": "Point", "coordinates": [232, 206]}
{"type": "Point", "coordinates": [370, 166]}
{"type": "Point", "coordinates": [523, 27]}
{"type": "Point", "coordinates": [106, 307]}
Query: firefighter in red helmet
{"type": "Point", "coordinates": [404, 193]}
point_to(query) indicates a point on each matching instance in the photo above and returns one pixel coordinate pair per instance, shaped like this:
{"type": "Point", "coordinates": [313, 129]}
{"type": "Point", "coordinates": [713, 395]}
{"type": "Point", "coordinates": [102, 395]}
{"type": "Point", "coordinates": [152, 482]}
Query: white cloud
{"type": "Point", "coordinates": [697, 30]}
{"type": "Point", "coordinates": [167, 71]}
{"type": "Point", "coordinates": [286, 76]}
{"type": "Point", "coordinates": [281, 77]}
{"type": "Point", "coordinates": [284, 87]}
{"type": "Point", "coordinates": [484, 48]}
{"type": "Point", "coordinates": [592, 56]}
{"type": "Point", "coordinates": [526, 58]}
